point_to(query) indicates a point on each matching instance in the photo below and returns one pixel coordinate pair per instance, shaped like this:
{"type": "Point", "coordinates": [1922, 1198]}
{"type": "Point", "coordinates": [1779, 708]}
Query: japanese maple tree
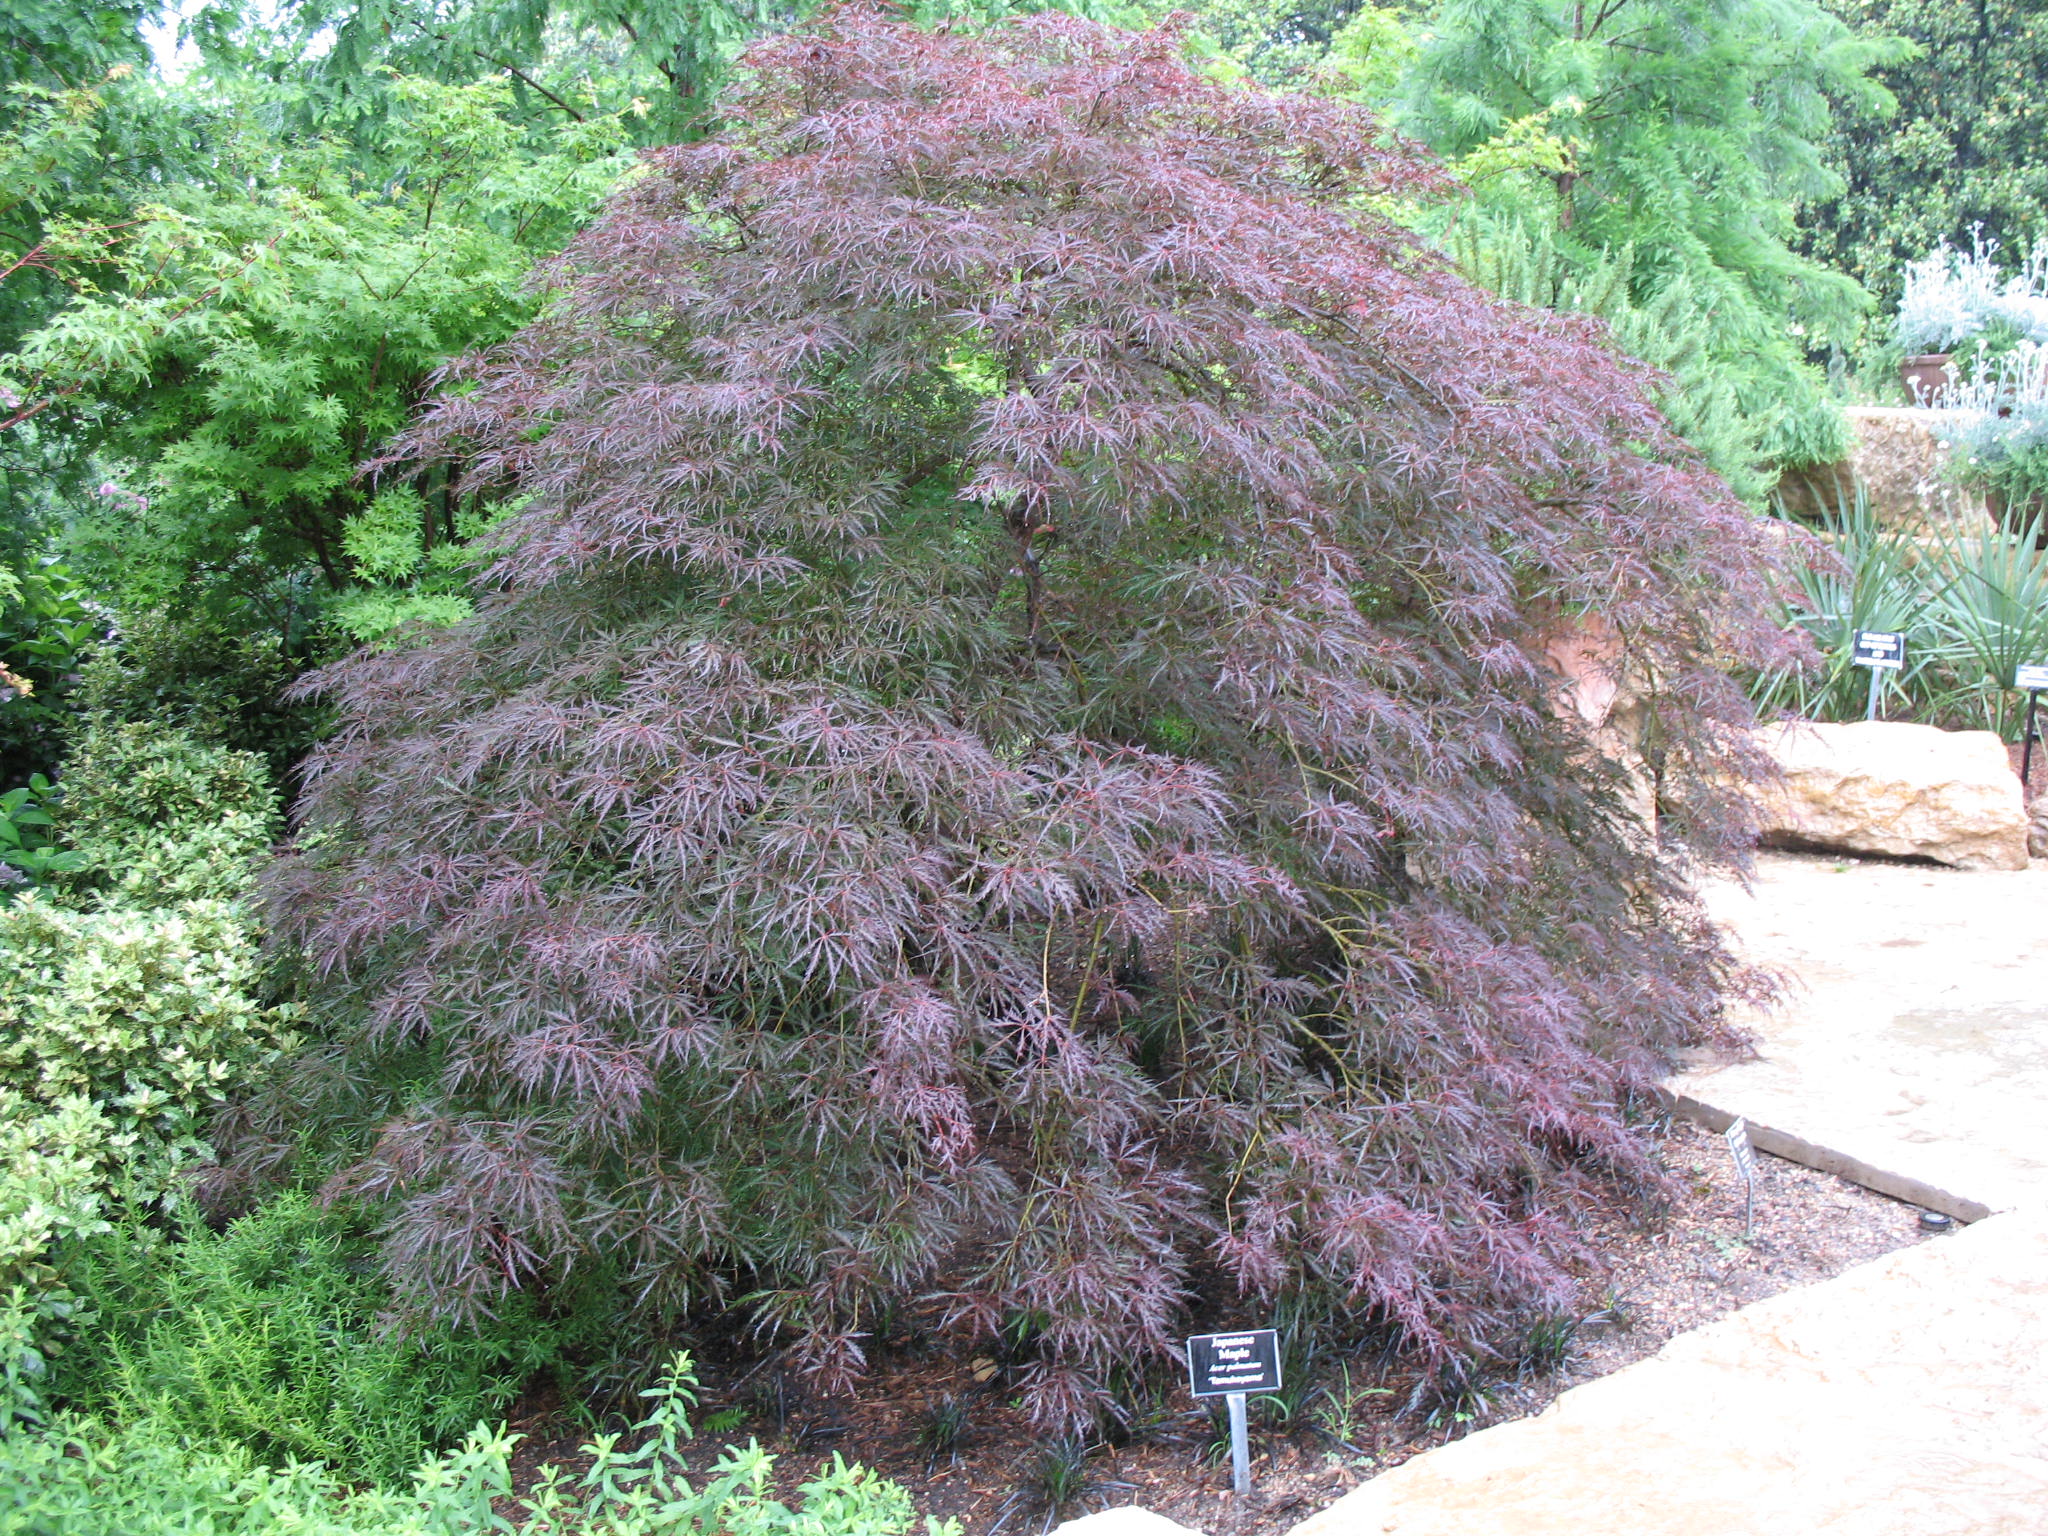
{"type": "Point", "coordinates": [1007, 761]}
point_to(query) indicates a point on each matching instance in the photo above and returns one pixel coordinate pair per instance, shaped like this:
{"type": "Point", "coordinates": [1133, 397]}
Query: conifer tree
{"type": "Point", "coordinates": [1691, 132]}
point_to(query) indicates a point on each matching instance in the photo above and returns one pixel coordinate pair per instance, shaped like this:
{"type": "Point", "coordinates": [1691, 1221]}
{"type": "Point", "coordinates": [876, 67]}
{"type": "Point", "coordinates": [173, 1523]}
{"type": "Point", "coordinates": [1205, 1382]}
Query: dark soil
{"type": "Point", "coordinates": [1691, 1267]}
{"type": "Point", "coordinates": [2037, 771]}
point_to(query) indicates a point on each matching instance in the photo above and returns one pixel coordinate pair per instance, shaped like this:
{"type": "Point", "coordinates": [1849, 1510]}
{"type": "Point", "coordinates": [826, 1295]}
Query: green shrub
{"type": "Point", "coordinates": [77, 1477]}
{"type": "Point", "coordinates": [29, 850]}
{"type": "Point", "coordinates": [267, 1335]}
{"type": "Point", "coordinates": [161, 817]}
{"type": "Point", "coordinates": [150, 1015]}
{"type": "Point", "coordinates": [222, 685]}
{"type": "Point", "coordinates": [1678, 329]}
{"type": "Point", "coordinates": [46, 630]}
{"type": "Point", "coordinates": [51, 1159]}
{"type": "Point", "coordinates": [128, 984]}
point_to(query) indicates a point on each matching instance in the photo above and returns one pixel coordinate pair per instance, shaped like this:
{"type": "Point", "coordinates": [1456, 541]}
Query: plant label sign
{"type": "Point", "coordinates": [1223, 1364]}
{"type": "Point", "coordinates": [1230, 1365]}
{"type": "Point", "coordinates": [1739, 1148]}
{"type": "Point", "coordinates": [1880, 649]}
{"type": "Point", "coordinates": [2031, 679]}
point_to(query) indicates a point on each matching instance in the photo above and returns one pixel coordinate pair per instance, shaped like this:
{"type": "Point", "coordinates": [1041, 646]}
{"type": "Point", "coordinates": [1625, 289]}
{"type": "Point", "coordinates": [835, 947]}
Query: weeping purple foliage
{"type": "Point", "coordinates": [1008, 756]}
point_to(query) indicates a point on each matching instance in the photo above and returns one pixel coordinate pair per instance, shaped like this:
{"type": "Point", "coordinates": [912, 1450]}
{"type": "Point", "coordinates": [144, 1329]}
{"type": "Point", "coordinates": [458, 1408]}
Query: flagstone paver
{"type": "Point", "coordinates": [1914, 1038]}
{"type": "Point", "coordinates": [1906, 1397]}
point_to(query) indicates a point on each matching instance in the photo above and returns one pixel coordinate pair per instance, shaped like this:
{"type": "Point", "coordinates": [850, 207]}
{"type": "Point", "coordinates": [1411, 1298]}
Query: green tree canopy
{"type": "Point", "coordinates": [1968, 148]}
{"type": "Point", "coordinates": [250, 340]}
{"type": "Point", "coordinates": [1684, 133]}
{"type": "Point", "coordinates": [665, 58]}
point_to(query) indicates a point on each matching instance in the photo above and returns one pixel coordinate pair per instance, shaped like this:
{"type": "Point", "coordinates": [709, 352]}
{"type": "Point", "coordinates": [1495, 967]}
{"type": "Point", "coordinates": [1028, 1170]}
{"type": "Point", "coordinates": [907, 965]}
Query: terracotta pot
{"type": "Point", "coordinates": [1925, 374]}
{"type": "Point", "coordinates": [2012, 516]}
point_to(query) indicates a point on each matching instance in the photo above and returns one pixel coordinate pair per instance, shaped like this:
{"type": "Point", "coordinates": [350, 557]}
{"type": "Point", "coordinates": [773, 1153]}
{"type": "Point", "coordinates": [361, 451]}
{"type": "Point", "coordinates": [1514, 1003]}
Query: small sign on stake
{"type": "Point", "coordinates": [1739, 1147]}
{"type": "Point", "coordinates": [1882, 651]}
{"type": "Point", "coordinates": [1230, 1366]}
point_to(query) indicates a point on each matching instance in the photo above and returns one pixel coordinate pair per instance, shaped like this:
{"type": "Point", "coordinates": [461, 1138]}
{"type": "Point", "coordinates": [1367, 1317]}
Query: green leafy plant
{"type": "Point", "coordinates": [27, 842]}
{"type": "Point", "coordinates": [1866, 574]}
{"type": "Point", "coordinates": [67, 1475]}
{"type": "Point", "coordinates": [724, 1421]}
{"type": "Point", "coordinates": [47, 632]}
{"type": "Point", "coordinates": [151, 1016]}
{"type": "Point", "coordinates": [52, 1182]}
{"type": "Point", "coordinates": [161, 817]}
{"type": "Point", "coordinates": [220, 683]}
{"type": "Point", "coordinates": [129, 982]}
{"type": "Point", "coordinates": [410, 577]}
{"type": "Point", "coordinates": [267, 1335]}
{"type": "Point", "coordinates": [1345, 1404]}
{"type": "Point", "coordinates": [1991, 611]}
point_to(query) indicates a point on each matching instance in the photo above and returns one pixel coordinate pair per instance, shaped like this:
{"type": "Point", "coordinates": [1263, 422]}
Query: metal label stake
{"type": "Point", "coordinates": [1882, 651]}
{"type": "Point", "coordinates": [1232, 1366]}
{"type": "Point", "coordinates": [2033, 679]}
{"type": "Point", "coordinates": [1744, 1153]}
{"type": "Point", "coordinates": [1240, 1445]}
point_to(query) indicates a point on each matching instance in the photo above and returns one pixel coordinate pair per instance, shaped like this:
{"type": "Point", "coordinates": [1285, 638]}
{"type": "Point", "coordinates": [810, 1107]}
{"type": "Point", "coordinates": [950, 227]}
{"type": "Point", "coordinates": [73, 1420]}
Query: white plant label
{"type": "Point", "coordinates": [1739, 1148]}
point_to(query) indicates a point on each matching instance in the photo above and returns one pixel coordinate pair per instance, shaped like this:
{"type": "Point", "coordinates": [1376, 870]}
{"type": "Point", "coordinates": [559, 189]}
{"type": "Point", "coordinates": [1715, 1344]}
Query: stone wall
{"type": "Point", "coordinates": [1900, 457]}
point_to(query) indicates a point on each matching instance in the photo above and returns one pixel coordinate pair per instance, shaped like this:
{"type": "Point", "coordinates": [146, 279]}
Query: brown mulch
{"type": "Point", "coordinates": [1693, 1266]}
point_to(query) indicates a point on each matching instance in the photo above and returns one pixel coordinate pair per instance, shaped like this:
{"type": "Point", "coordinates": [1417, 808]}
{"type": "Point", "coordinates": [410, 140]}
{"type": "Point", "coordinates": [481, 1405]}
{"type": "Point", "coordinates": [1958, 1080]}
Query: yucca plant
{"type": "Point", "coordinates": [1991, 611]}
{"type": "Point", "coordinates": [1870, 576]}
{"type": "Point", "coordinates": [1973, 605]}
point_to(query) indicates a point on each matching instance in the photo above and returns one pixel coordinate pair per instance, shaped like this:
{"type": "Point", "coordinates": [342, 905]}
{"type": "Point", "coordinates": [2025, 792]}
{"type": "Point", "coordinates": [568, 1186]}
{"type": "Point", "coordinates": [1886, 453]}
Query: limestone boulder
{"type": "Point", "coordinates": [2037, 828]}
{"type": "Point", "coordinates": [1910, 791]}
{"type": "Point", "coordinates": [1597, 689]}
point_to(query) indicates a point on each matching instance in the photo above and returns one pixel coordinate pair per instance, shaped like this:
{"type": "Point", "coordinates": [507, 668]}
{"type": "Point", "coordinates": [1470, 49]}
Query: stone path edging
{"type": "Point", "coordinates": [1798, 1149]}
